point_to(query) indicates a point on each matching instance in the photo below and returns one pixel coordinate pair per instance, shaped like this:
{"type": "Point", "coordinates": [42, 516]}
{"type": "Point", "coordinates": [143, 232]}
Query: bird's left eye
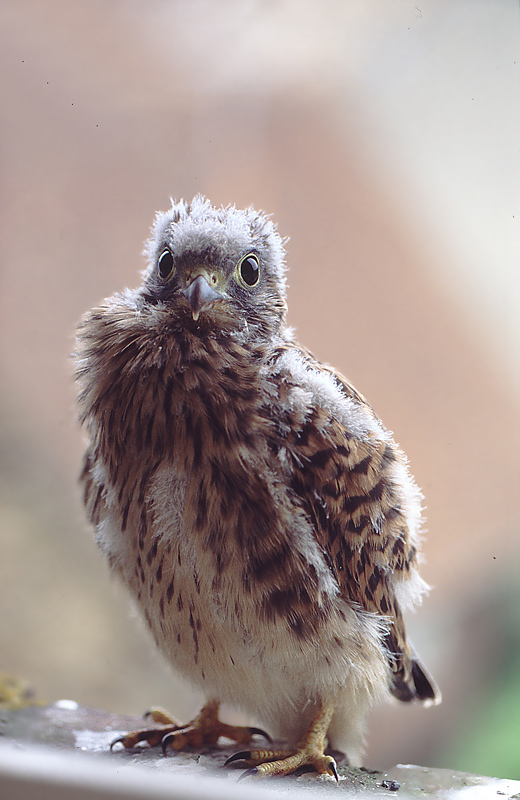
{"type": "Point", "coordinates": [249, 270]}
{"type": "Point", "coordinates": [165, 265]}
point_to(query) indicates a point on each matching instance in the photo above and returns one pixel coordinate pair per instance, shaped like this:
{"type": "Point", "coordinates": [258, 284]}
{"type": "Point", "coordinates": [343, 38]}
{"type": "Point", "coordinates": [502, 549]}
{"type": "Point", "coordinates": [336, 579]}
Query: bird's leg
{"type": "Point", "coordinates": [308, 752]}
{"type": "Point", "coordinates": [205, 729]}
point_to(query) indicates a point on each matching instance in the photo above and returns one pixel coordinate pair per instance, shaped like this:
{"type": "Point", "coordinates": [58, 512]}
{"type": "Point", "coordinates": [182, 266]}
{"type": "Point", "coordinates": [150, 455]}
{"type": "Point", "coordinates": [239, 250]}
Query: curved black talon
{"type": "Point", "coordinates": [248, 773]}
{"type": "Point", "coordinates": [242, 756]}
{"type": "Point", "coordinates": [260, 732]}
{"type": "Point", "coordinates": [120, 740]}
{"type": "Point", "coordinates": [165, 741]}
{"type": "Point", "coordinates": [334, 770]}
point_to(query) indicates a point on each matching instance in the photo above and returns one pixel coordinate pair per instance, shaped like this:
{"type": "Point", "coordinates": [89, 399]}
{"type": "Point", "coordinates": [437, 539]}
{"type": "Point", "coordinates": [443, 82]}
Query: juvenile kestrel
{"type": "Point", "coordinates": [261, 516]}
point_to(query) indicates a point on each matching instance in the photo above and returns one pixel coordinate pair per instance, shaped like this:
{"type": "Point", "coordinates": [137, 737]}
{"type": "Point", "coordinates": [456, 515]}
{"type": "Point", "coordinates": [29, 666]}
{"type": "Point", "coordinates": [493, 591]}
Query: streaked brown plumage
{"type": "Point", "coordinates": [247, 495]}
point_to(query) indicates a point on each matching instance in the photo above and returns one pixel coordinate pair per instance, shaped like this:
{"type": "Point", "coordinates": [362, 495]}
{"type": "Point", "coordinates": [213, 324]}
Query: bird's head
{"type": "Point", "coordinates": [217, 268]}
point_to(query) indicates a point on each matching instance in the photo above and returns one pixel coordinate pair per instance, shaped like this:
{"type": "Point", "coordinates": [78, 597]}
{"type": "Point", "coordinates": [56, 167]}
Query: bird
{"type": "Point", "coordinates": [263, 519]}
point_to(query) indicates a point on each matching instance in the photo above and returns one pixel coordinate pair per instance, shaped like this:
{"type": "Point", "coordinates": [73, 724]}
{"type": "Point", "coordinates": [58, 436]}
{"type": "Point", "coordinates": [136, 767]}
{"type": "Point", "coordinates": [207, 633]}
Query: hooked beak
{"type": "Point", "coordinates": [200, 296]}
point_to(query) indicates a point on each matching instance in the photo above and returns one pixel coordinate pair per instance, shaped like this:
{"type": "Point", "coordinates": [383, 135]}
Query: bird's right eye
{"type": "Point", "coordinates": [165, 265]}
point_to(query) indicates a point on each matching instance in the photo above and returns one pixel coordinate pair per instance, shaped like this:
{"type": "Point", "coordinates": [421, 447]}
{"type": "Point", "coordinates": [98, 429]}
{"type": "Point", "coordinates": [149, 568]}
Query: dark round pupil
{"type": "Point", "coordinates": [249, 270]}
{"type": "Point", "coordinates": [165, 264]}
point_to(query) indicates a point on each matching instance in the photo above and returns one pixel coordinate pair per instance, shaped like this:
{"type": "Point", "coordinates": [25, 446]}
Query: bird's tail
{"type": "Point", "coordinates": [418, 686]}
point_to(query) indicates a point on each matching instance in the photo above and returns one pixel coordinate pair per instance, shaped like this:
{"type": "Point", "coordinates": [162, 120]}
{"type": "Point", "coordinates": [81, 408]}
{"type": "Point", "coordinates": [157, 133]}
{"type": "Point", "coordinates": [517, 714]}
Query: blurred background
{"type": "Point", "coordinates": [383, 137]}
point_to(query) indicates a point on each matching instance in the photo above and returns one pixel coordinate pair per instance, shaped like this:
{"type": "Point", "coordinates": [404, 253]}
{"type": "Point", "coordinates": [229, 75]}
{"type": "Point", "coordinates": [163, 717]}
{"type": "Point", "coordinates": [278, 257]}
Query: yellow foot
{"type": "Point", "coordinates": [308, 753]}
{"type": "Point", "coordinates": [205, 729]}
{"type": "Point", "coordinates": [284, 762]}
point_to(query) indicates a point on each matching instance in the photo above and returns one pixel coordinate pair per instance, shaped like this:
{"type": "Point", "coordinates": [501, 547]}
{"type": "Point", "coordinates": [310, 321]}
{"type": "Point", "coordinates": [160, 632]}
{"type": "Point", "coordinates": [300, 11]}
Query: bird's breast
{"type": "Point", "coordinates": [188, 442]}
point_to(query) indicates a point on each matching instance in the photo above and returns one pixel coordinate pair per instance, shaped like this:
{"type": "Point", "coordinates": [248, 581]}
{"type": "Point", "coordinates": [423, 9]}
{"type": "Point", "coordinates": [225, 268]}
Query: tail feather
{"type": "Point", "coordinates": [425, 687]}
{"type": "Point", "coordinates": [419, 686]}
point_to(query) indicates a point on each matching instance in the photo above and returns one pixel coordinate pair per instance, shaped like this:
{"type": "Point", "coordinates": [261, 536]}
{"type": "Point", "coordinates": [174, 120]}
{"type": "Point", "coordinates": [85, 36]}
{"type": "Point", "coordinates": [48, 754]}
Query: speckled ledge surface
{"type": "Point", "coordinates": [62, 751]}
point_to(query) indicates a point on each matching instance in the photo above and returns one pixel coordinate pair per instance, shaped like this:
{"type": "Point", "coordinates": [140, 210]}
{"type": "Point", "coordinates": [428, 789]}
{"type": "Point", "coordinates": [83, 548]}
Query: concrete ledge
{"type": "Point", "coordinates": [61, 752]}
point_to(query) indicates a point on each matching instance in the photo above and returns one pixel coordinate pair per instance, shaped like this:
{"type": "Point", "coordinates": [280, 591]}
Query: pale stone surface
{"type": "Point", "coordinates": [63, 751]}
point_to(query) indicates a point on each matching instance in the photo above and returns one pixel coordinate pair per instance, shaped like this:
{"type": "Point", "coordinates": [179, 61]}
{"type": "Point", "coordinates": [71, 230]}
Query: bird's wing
{"type": "Point", "coordinates": [354, 484]}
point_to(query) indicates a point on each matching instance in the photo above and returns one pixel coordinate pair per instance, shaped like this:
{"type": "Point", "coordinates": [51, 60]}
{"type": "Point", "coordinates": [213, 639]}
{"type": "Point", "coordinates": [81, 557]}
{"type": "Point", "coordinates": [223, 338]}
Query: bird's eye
{"type": "Point", "coordinates": [248, 270]}
{"type": "Point", "coordinates": [165, 265]}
